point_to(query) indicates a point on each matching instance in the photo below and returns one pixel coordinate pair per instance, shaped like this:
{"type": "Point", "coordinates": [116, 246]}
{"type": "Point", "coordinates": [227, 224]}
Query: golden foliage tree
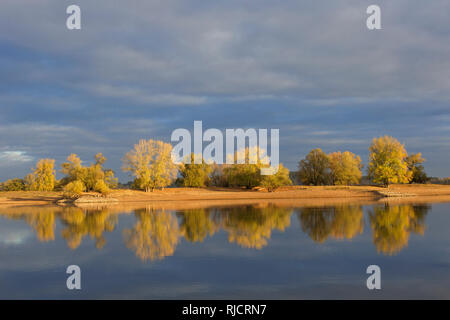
{"type": "Point", "coordinates": [387, 163]}
{"type": "Point", "coordinates": [73, 168]}
{"type": "Point", "coordinates": [88, 176]}
{"type": "Point", "coordinates": [279, 179]}
{"type": "Point", "coordinates": [195, 175]}
{"type": "Point", "coordinates": [43, 176]}
{"type": "Point", "coordinates": [314, 169]}
{"type": "Point", "coordinates": [248, 174]}
{"type": "Point", "coordinates": [345, 168]}
{"type": "Point", "coordinates": [414, 162]}
{"type": "Point", "coordinates": [151, 164]}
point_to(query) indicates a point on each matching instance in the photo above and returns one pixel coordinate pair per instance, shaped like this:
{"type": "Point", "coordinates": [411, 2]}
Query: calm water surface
{"type": "Point", "coordinates": [246, 252]}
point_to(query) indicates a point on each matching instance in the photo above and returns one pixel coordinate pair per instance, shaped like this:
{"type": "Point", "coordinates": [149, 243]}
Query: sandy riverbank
{"type": "Point", "coordinates": [287, 195]}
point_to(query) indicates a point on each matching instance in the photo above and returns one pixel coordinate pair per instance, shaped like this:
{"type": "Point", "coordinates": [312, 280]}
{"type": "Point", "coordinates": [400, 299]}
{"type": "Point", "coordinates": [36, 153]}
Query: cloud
{"type": "Point", "coordinates": [191, 50]}
{"type": "Point", "coordinates": [12, 157]}
{"type": "Point", "coordinates": [140, 69]}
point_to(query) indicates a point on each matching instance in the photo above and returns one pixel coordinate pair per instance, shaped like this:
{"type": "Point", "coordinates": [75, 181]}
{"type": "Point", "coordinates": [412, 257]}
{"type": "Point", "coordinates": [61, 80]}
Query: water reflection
{"type": "Point", "coordinates": [79, 223]}
{"type": "Point", "coordinates": [250, 226]}
{"type": "Point", "coordinates": [340, 222]}
{"type": "Point", "coordinates": [156, 232]}
{"type": "Point", "coordinates": [392, 225]}
{"type": "Point", "coordinates": [196, 224]}
{"type": "Point", "coordinates": [154, 236]}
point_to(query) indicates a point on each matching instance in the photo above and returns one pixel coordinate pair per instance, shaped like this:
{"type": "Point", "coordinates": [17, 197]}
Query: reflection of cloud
{"type": "Point", "coordinates": [14, 237]}
{"type": "Point", "coordinates": [6, 157]}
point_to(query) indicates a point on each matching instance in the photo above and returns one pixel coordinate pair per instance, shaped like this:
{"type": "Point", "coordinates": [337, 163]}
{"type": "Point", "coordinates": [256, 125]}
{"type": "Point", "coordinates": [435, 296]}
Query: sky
{"type": "Point", "coordinates": [141, 69]}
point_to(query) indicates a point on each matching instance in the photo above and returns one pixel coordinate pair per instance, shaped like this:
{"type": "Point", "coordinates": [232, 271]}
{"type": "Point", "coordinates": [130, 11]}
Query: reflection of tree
{"type": "Point", "coordinates": [154, 236]}
{"type": "Point", "coordinates": [250, 226]}
{"type": "Point", "coordinates": [43, 222]}
{"type": "Point", "coordinates": [392, 225]}
{"type": "Point", "coordinates": [79, 223]}
{"type": "Point", "coordinates": [41, 219]}
{"type": "Point", "coordinates": [348, 222]}
{"type": "Point", "coordinates": [196, 224]}
{"type": "Point", "coordinates": [340, 222]}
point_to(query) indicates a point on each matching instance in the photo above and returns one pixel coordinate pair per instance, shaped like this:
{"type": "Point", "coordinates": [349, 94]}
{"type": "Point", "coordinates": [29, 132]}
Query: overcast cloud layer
{"type": "Point", "coordinates": [140, 69]}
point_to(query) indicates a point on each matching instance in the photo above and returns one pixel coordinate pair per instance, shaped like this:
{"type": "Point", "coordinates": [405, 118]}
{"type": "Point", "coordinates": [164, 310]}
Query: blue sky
{"type": "Point", "coordinates": [140, 69]}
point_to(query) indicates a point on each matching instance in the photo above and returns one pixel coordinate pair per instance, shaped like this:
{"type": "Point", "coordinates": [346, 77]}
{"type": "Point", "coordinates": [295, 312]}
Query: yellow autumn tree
{"type": "Point", "coordinates": [248, 174]}
{"type": "Point", "coordinates": [73, 169]}
{"type": "Point", "coordinates": [279, 179]}
{"type": "Point", "coordinates": [345, 168]}
{"type": "Point", "coordinates": [194, 175]}
{"type": "Point", "coordinates": [414, 162]}
{"type": "Point", "coordinates": [387, 163]}
{"type": "Point", "coordinates": [315, 168]}
{"type": "Point", "coordinates": [91, 177]}
{"type": "Point", "coordinates": [151, 164]}
{"type": "Point", "coordinates": [43, 176]}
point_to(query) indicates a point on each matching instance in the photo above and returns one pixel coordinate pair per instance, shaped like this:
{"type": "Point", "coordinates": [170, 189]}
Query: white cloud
{"type": "Point", "coordinates": [12, 157]}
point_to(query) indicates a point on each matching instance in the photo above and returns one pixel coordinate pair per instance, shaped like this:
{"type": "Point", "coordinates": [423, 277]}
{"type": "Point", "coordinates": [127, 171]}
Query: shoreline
{"type": "Point", "coordinates": [192, 197]}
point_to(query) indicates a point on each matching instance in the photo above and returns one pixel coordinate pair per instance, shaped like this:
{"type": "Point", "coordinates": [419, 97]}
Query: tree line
{"type": "Point", "coordinates": [151, 166]}
{"type": "Point", "coordinates": [389, 163]}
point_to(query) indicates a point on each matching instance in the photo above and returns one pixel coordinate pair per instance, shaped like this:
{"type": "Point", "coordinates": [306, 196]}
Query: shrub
{"type": "Point", "coordinates": [74, 189]}
{"type": "Point", "coordinates": [13, 185]}
{"type": "Point", "coordinates": [101, 187]}
{"type": "Point", "coordinates": [279, 179]}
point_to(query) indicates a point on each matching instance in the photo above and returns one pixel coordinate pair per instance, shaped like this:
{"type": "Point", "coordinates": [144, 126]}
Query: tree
{"type": "Point", "coordinates": [89, 176]}
{"type": "Point", "coordinates": [73, 169]}
{"type": "Point", "coordinates": [345, 168]}
{"type": "Point", "coordinates": [151, 164]}
{"type": "Point", "coordinates": [43, 177]}
{"type": "Point", "coordinates": [246, 174]}
{"type": "Point", "coordinates": [414, 162]}
{"type": "Point", "coordinates": [243, 175]}
{"type": "Point", "coordinates": [314, 169]}
{"type": "Point", "coordinates": [387, 161]}
{"type": "Point", "coordinates": [274, 181]}
{"type": "Point", "coordinates": [217, 175]}
{"type": "Point", "coordinates": [195, 175]}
